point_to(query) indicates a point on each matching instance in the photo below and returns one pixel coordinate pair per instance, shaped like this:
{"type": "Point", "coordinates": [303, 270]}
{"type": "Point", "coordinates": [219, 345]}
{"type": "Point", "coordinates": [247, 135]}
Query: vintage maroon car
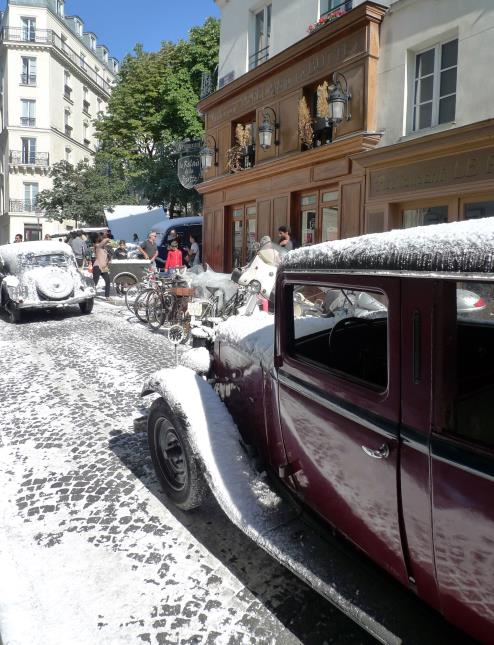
{"type": "Point", "coordinates": [377, 419]}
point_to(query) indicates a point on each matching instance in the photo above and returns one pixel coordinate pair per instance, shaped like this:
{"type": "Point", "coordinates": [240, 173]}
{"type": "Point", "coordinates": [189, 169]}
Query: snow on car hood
{"type": "Point", "coordinates": [466, 246]}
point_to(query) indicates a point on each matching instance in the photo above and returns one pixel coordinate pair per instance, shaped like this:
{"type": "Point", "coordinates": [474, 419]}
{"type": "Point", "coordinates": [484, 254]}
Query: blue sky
{"type": "Point", "coordinates": [120, 24]}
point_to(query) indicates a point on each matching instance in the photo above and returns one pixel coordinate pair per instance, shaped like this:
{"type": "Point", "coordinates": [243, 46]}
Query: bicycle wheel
{"type": "Point", "coordinates": [131, 295]}
{"type": "Point", "coordinates": [141, 305]}
{"type": "Point", "coordinates": [155, 310]}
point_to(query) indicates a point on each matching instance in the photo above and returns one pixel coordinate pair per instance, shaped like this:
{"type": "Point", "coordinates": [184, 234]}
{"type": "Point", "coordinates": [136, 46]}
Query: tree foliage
{"type": "Point", "coordinates": [154, 105]}
{"type": "Point", "coordinates": [83, 192]}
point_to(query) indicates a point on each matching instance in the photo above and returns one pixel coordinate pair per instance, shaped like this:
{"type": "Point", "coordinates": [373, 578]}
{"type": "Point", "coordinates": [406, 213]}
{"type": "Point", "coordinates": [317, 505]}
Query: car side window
{"type": "Point", "coordinates": [473, 415]}
{"type": "Point", "coordinates": [342, 330]}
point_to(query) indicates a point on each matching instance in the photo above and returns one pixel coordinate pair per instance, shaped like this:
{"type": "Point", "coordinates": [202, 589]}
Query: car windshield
{"type": "Point", "coordinates": [44, 260]}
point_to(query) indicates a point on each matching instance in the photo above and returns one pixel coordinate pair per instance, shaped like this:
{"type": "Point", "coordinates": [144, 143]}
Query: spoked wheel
{"type": "Point", "coordinates": [131, 295]}
{"type": "Point", "coordinates": [141, 305]}
{"type": "Point", "coordinates": [123, 281]}
{"type": "Point", "coordinates": [155, 310]}
{"type": "Point", "coordinates": [174, 461]}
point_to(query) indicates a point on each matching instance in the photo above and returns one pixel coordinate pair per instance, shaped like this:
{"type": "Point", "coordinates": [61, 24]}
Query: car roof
{"type": "Point", "coordinates": [163, 227]}
{"type": "Point", "coordinates": [457, 247]}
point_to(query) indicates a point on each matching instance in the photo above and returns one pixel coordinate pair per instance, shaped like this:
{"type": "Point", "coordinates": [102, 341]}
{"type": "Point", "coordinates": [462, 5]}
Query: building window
{"type": "Point", "coordinates": [243, 234]}
{"type": "Point", "coordinates": [319, 217]}
{"type": "Point", "coordinates": [60, 8]}
{"type": "Point", "coordinates": [68, 155]}
{"type": "Point", "coordinates": [105, 55]}
{"type": "Point", "coordinates": [67, 125]}
{"type": "Point", "coordinates": [28, 76]}
{"type": "Point", "coordinates": [78, 27]}
{"type": "Point", "coordinates": [330, 6]}
{"type": "Point", "coordinates": [67, 89]}
{"type": "Point", "coordinates": [28, 112]}
{"type": "Point", "coordinates": [100, 107]}
{"type": "Point", "coordinates": [424, 216]}
{"type": "Point", "coordinates": [85, 128]}
{"type": "Point", "coordinates": [28, 151]}
{"type": "Point", "coordinates": [82, 61]}
{"type": "Point", "coordinates": [479, 210]}
{"type": "Point", "coordinates": [92, 42]}
{"type": "Point", "coordinates": [31, 191]}
{"type": "Point", "coordinates": [86, 105]}
{"type": "Point", "coordinates": [434, 95]}
{"type": "Point", "coordinates": [262, 37]}
{"type": "Point", "coordinates": [28, 29]}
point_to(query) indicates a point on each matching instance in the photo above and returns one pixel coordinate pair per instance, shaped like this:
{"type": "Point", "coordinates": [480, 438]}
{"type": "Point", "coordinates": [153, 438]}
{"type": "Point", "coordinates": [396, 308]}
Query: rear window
{"type": "Point", "coordinates": [473, 418]}
{"type": "Point", "coordinates": [343, 331]}
{"type": "Point", "coordinates": [49, 259]}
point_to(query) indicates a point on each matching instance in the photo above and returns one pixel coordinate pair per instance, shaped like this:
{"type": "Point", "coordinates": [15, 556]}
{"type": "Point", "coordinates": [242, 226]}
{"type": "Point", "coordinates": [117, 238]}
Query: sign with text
{"type": "Point", "coordinates": [189, 171]}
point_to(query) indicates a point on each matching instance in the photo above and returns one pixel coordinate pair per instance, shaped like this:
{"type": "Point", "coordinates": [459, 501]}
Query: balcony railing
{"type": "Point", "coordinates": [68, 130]}
{"type": "Point", "coordinates": [28, 121]}
{"type": "Point", "coordinates": [48, 36]}
{"type": "Point", "coordinates": [86, 105]}
{"type": "Point", "coordinates": [258, 57]}
{"type": "Point", "coordinates": [28, 79]}
{"type": "Point", "coordinates": [27, 158]}
{"type": "Point", "coordinates": [24, 206]}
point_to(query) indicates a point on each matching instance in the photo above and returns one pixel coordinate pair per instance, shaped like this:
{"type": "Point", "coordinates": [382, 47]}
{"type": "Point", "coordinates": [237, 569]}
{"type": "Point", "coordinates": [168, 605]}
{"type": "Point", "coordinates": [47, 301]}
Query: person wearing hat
{"type": "Point", "coordinates": [174, 259]}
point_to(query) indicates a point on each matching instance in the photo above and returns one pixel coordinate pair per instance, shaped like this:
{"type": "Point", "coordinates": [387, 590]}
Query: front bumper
{"type": "Point", "coordinates": [51, 304]}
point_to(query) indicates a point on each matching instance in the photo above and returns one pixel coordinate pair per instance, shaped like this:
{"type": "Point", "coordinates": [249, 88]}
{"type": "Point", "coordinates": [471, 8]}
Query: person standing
{"type": "Point", "coordinates": [47, 237]}
{"type": "Point", "coordinates": [100, 265]}
{"type": "Point", "coordinates": [149, 248]}
{"type": "Point", "coordinates": [285, 238]}
{"type": "Point", "coordinates": [174, 259]}
{"type": "Point", "coordinates": [193, 255]}
{"type": "Point", "coordinates": [79, 247]}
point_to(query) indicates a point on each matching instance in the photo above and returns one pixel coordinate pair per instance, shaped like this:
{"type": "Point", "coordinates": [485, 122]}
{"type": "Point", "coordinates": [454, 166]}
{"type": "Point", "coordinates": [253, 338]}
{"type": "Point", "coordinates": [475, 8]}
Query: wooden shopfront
{"type": "Point", "coordinates": [441, 177]}
{"type": "Point", "coordinates": [314, 188]}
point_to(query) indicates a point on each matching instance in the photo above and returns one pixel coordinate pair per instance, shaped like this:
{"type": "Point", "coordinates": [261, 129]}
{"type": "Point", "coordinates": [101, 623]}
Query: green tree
{"type": "Point", "coordinates": [83, 192]}
{"type": "Point", "coordinates": [154, 105]}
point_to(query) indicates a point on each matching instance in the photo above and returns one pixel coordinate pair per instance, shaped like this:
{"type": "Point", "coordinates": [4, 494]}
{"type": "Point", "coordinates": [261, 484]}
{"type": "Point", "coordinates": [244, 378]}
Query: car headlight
{"type": "Point", "coordinates": [255, 286]}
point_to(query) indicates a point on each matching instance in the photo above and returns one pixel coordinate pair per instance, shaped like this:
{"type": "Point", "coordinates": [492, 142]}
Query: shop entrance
{"type": "Point", "coordinates": [243, 234]}
{"type": "Point", "coordinates": [318, 216]}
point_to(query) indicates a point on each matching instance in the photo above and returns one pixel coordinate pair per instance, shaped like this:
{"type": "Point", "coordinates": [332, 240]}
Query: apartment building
{"type": "Point", "coordinates": [55, 81]}
{"type": "Point", "coordinates": [407, 138]}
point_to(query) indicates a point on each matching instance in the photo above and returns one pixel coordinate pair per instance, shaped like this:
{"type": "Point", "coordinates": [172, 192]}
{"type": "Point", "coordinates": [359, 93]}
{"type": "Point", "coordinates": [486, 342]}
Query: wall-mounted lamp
{"type": "Point", "coordinates": [338, 100]}
{"type": "Point", "coordinates": [209, 154]}
{"type": "Point", "coordinates": [267, 128]}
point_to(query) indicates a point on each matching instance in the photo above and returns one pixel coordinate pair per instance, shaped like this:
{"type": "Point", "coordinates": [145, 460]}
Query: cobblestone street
{"type": "Point", "coordinates": [90, 552]}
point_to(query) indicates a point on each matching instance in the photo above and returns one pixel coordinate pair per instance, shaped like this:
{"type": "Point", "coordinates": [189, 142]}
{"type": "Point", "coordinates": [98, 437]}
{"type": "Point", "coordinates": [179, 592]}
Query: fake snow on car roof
{"type": "Point", "coordinates": [10, 252]}
{"type": "Point", "coordinates": [466, 247]}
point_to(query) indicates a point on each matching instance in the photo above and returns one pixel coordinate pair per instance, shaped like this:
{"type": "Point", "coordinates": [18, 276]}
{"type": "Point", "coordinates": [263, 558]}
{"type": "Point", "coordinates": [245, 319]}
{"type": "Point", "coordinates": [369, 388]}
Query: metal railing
{"type": "Point", "coordinates": [28, 158]}
{"type": "Point", "coordinates": [338, 10]}
{"type": "Point", "coordinates": [24, 206]}
{"type": "Point", "coordinates": [48, 36]}
{"type": "Point", "coordinates": [28, 121]}
{"type": "Point", "coordinates": [28, 79]}
{"type": "Point", "coordinates": [258, 57]}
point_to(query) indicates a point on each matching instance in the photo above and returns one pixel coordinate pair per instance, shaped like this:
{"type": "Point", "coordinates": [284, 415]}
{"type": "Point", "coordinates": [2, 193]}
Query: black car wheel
{"type": "Point", "coordinates": [87, 306]}
{"type": "Point", "coordinates": [175, 464]}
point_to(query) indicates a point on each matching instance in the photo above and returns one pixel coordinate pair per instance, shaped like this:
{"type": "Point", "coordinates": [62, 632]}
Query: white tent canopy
{"type": "Point", "coordinates": [124, 221]}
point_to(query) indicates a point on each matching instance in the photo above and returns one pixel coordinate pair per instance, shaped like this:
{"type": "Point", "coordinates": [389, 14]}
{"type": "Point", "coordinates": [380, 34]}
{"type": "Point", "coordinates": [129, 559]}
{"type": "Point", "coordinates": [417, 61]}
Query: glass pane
{"type": "Point", "coordinates": [425, 115]}
{"type": "Point", "coordinates": [425, 64]}
{"type": "Point", "coordinates": [238, 212]}
{"type": "Point", "coordinates": [447, 109]}
{"type": "Point", "coordinates": [480, 209]}
{"type": "Point", "coordinates": [425, 216]}
{"type": "Point", "coordinates": [251, 238]}
{"type": "Point", "coordinates": [448, 82]}
{"type": "Point", "coordinates": [308, 227]}
{"type": "Point", "coordinates": [308, 200]}
{"type": "Point", "coordinates": [426, 86]}
{"type": "Point", "coordinates": [329, 224]}
{"type": "Point", "coordinates": [449, 54]}
{"type": "Point", "coordinates": [268, 19]}
{"type": "Point", "coordinates": [237, 229]}
{"type": "Point", "coordinates": [330, 196]}
{"type": "Point", "coordinates": [251, 210]}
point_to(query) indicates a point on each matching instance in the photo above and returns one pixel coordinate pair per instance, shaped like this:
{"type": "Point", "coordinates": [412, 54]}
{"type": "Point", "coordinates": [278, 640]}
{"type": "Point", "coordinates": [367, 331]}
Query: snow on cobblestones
{"type": "Point", "coordinates": [89, 551]}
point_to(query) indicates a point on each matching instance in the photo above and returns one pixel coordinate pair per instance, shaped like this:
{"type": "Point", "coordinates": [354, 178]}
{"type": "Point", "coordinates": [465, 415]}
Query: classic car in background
{"type": "Point", "coordinates": [42, 275]}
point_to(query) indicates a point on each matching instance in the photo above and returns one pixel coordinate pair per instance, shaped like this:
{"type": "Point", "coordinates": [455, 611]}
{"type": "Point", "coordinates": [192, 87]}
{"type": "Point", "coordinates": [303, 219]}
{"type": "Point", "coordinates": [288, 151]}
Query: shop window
{"type": "Point", "coordinates": [479, 210]}
{"type": "Point", "coordinates": [434, 92]}
{"type": "Point", "coordinates": [32, 232]}
{"type": "Point", "coordinates": [319, 217]}
{"type": "Point", "coordinates": [346, 341]}
{"type": "Point", "coordinates": [424, 216]}
{"type": "Point", "coordinates": [243, 234]}
{"type": "Point", "coordinates": [242, 153]}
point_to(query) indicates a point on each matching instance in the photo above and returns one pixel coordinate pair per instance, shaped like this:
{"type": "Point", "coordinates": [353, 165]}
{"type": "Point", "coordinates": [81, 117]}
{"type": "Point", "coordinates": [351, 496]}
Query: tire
{"type": "Point", "coordinates": [155, 311]}
{"type": "Point", "coordinates": [86, 307]}
{"type": "Point", "coordinates": [175, 464]}
{"type": "Point", "coordinates": [141, 305]}
{"type": "Point", "coordinates": [131, 295]}
{"type": "Point", "coordinates": [123, 282]}
{"type": "Point", "coordinates": [15, 314]}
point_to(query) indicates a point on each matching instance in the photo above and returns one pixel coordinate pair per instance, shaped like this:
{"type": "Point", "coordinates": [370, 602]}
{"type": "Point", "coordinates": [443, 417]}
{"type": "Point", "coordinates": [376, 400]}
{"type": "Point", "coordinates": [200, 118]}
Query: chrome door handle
{"type": "Point", "coordinates": [380, 453]}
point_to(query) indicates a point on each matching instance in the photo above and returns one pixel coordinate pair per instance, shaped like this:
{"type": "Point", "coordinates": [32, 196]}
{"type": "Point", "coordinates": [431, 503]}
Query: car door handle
{"type": "Point", "coordinates": [380, 453]}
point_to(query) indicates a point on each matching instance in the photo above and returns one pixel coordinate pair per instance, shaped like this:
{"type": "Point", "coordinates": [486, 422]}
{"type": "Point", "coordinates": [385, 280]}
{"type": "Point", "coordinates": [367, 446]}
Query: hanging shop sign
{"type": "Point", "coordinates": [189, 163]}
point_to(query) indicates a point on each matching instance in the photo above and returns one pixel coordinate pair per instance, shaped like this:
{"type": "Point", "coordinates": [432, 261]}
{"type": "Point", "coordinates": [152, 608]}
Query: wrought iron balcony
{"type": "Point", "coordinates": [24, 206]}
{"type": "Point", "coordinates": [48, 36]}
{"type": "Point", "coordinates": [28, 79]}
{"type": "Point", "coordinates": [258, 57]}
{"type": "Point", "coordinates": [28, 121]}
{"type": "Point", "coordinates": [27, 158]}
{"type": "Point", "coordinates": [338, 10]}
